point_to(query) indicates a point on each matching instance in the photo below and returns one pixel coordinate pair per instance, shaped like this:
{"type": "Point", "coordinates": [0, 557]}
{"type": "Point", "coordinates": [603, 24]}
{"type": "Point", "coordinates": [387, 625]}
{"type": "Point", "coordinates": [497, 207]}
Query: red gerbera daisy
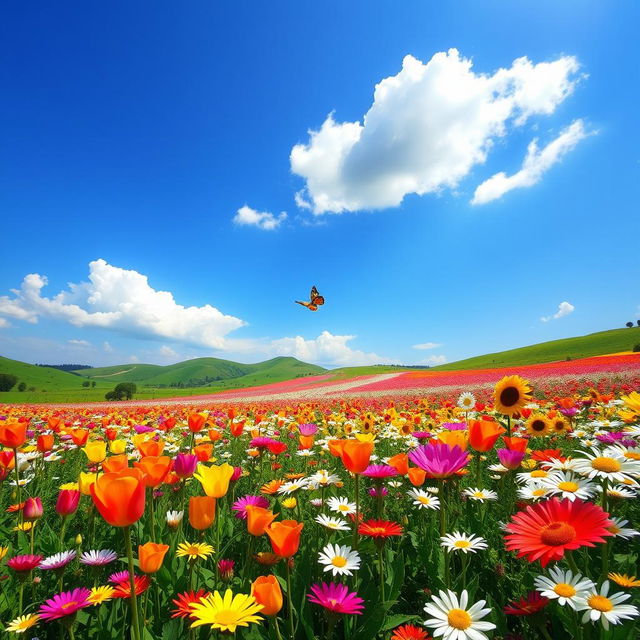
{"type": "Point", "coordinates": [410, 632]}
{"type": "Point", "coordinates": [544, 531]}
{"type": "Point", "coordinates": [184, 601]}
{"type": "Point", "coordinates": [531, 603]}
{"type": "Point", "coordinates": [123, 590]}
{"type": "Point", "coordinates": [379, 529]}
{"type": "Point", "coordinates": [545, 455]}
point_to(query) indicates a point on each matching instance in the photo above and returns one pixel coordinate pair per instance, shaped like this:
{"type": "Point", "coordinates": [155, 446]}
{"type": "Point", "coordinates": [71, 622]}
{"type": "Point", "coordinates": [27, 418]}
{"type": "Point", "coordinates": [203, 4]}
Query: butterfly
{"type": "Point", "coordinates": [315, 300]}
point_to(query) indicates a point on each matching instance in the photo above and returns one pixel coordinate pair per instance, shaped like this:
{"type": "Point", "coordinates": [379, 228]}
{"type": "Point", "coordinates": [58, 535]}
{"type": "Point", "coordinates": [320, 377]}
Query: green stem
{"type": "Point", "coordinates": [381, 569]}
{"type": "Point", "coordinates": [290, 600]}
{"type": "Point", "coordinates": [62, 530]}
{"type": "Point", "coordinates": [18, 487]}
{"type": "Point", "coordinates": [357, 522]}
{"type": "Point", "coordinates": [135, 622]}
{"type": "Point", "coordinates": [152, 514]}
{"type": "Point", "coordinates": [571, 561]}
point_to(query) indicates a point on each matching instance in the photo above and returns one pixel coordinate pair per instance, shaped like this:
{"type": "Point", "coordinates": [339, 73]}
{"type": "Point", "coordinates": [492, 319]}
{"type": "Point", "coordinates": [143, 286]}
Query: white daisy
{"type": "Point", "coordinates": [612, 467]}
{"type": "Point", "coordinates": [537, 475]}
{"type": "Point", "coordinates": [292, 486]}
{"type": "Point", "coordinates": [558, 465]}
{"type": "Point", "coordinates": [339, 560]}
{"type": "Point", "coordinates": [563, 586]}
{"type": "Point", "coordinates": [336, 524]}
{"type": "Point", "coordinates": [620, 492]}
{"type": "Point", "coordinates": [620, 531]}
{"type": "Point", "coordinates": [607, 609]}
{"type": "Point", "coordinates": [567, 485]}
{"type": "Point", "coordinates": [466, 401]}
{"type": "Point", "coordinates": [533, 491]}
{"type": "Point", "coordinates": [453, 621]}
{"type": "Point", "coordinates": [174, 518]}
{"type": "Point", "coordinates": [423, 499]}
{"type": "Point", "coordinates": [341, 505]}
{"type": "Point", "coordinates": [481, 494]}
{"type": "Point", "coordinates": [458, 541]}
{"type": "Point", "coordinates": [322, 478]}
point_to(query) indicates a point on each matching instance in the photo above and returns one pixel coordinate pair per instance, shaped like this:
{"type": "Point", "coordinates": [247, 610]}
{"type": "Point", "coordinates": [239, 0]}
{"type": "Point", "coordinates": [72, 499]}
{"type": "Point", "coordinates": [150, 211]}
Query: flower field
{"type": "Point", "coordinates": [462, 505]}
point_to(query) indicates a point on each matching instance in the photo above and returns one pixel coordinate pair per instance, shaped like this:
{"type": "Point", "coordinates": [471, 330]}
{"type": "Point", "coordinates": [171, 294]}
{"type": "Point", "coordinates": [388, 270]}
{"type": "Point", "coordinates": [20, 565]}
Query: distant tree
{"type": "Point", "coordinates": [125, 390]}
{"type": "Point", "coordinates": [22, 386]}
{"type": "Point", "coordinates": [86, 383]}
{"type": "Point", "coordinates": [636, 348]}
{"type": "Point", "coordinates": [638, 322]}
{"type": "Point", "coordinates": [629, 324]}
{"type": "Point", "coordinates": [110, 395]}
{"type": "Point", "coordinates": [31, 389]}
{"type": "Point", "coordinates": [7, 381]}
{"type": "Point", "coordinates": [93, 384]}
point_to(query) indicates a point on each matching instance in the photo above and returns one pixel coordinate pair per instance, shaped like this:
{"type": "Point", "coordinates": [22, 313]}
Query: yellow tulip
{"type": "Point", "coordinates": [454, 438]}
{"type": "Point", "coordinates": [139, 438]}
{"type": "Point", "coordinates": [85, 481]}
{"type": "Point", "coordinates": [118, 446]}
{"type": "Point", "coordinates": [366, 437]}
{"type": "Point", "coordinates": [96, 451]}
{"type": "Point", "coordinates": [214, 479]}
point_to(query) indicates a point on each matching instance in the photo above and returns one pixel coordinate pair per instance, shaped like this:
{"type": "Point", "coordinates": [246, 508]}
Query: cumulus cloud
{"type": "Point", "coordinates": [427, 345]}
{"type": "Point", "coordinates": [564, 309]}
{"type": "Point", "coordinates": [4, 323]}
{"type": "Point", "coordinates": [434, 361]}
{"type": "Point", "coordinates": [326, 349]}
{"type": "Point", "coordinates": [168, 352]}
{"type": "Point", "coordinates": [107, 347]}
{"type": "Point", "coordinates": [428, 126]}
{"type": "Point", "coordinates": [79, 343]}
{"type": "Point", "coordinates": [536, 163]}
{"type": "Point", "coordinates": [246, 216]}
{"type": "Point", "coordinates": [120, 300]}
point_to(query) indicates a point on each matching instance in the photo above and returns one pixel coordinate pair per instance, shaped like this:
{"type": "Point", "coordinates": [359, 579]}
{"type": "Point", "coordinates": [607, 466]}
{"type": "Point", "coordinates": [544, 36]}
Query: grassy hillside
{"type": "Point", "coordinates": [42, 378]}
{"type": "Point", "coordinates": [346, 373]}
{"type": "Point", "coordinates": [593, 344]}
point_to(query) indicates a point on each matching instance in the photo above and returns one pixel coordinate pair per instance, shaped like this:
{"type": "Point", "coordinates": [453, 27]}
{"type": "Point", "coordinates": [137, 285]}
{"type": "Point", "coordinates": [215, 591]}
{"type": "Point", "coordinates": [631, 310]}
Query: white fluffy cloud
{"type": "Point", "coordinates": [121, 300]}
{"type": "Point", "coordinates": [427, 345]}
{"type": "Point", "coordinates": [326, 349]}
{"type": "Point", "coordinates": [564, 309]}
{"type": "Point", "coordinates": [246, 216]}
{"type": "Point", "coordinates": [536, 163]}
{"type": "Point", "coordinates": [79, 343]}
{"type": "Point", "coordinates": [426, 129]}
{"type": "Point", "coordinates": [434, 361]}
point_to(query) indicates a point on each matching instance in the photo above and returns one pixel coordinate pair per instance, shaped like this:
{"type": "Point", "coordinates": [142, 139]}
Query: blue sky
{"type": "Point", "coordinates": [132, 137]}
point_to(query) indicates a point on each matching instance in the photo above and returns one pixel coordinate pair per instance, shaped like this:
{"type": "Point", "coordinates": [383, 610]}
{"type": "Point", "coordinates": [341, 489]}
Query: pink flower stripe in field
{"type": "Point", "coordinates": [581, 367]}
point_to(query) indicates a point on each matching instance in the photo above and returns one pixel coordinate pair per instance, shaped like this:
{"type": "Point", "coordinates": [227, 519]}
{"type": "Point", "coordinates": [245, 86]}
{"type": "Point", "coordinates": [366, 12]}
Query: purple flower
{"type": "Point", "coordinates": [439, 460]}
{"type": "Point", "coordinates": [308, 429]}
{"type": "Point", "coordinates": [509, 458]}
{"type": "Point", "coordinates": [261, 442]}
{"type": "Point", "coordinates": [143, 428]}
{"type": "Point", "coordinates": [569, 413]}
{"type": "Point", "coordinates": [454, 426]}
{"type": "Point", "coordinates": [118, 577]}
{"type": "Point", "coordinates": [184, 464]}
{"type": "Point", "coordinates": [380, 471]}
{"type": "Point", "coordinates": [240, 506]}
{"type": "Point", "coordinates": [225, 569]}
{"type": "Point", "coordinates": [336, 598]}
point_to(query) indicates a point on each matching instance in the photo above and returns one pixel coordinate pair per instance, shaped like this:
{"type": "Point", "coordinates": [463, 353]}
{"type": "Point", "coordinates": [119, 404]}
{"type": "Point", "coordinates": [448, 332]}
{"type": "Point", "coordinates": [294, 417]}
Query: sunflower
{"type": "Point", "coordinates": [226, 613]}
{"type": "Point", "coordinates": [511, 394]}
{"type": "Point", "coordinates": [538, 425]}
{"type": "Point", "coordinates": [559, 425]}
{"type": "Point", "coordinates": [194, 550]}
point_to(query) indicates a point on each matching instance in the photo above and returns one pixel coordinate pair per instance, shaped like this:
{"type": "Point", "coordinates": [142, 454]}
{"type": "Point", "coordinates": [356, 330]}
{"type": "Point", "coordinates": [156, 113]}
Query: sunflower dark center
{"type": "Point", "coordinates": [538, 425]}
{"type": "Point", "coordinates": [509, 396]}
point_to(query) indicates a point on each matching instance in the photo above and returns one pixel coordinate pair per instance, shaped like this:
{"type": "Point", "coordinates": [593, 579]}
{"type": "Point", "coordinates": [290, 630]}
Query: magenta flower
{"type": "Point", "coordinates": [336, 598]}
{"type": "Point", "coordinates": [184, 464]}
{"type": "Point", "coordinates": [142, 428]}
{"type": "Point", "coordinates": [20, 564]}
{"type": "Point", "coordinates": [261, 442]}
{"type": "Point", "coordinates": [225, 569]}
{"type": "Point", "coordinates": [439, 460]}
{"type": "Point", "coordinates": [308, 429]}
{"type": "Point", "coordinates": [510, 459]}
{"type": "Point", "coordinates": [118, 577]}
{"type": "Point", "coordinates": [378, 492]}
{"type": "Point", "coordinates": [569, 413]}
{"type": "Point", "coordinates": [237, 474]}
{"type": "Point", "coordinates": [58, 560]}
{"type": "Point", "coordinates": [32, 509]}
{"type": "Point", "coordinates": [454, 426]}
{"type": "Point", "coordinates": [240, 506]}
{"type": "Point", "coordinates": [421, 435]}
{"type": "Point", "coordinates": [65, 604]}
{"type": "Point", "coordinates": [380, 471]}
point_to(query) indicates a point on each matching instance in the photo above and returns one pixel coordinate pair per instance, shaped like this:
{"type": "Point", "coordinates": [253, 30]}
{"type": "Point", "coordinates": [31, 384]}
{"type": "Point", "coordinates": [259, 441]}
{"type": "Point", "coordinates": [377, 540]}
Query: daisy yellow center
{"type": "Point", "coordinates": [600, 603]}
{"type": "Point", "coordinates": [339, 561]}
{"type": "Point", "coordinates": [462, 544]}
{"type": "Point", "coordinates": [343, 507]}
{"type": "Point", "coordinates": [538, 473]}
{"type": "Point", "coordinates": [564, 590]}
{"type": "Point", "coordinates": [557, 534]}
{"type": "Point", "coordinates": [478, 494]}
{"type": "Point", "coordinates": [608, 465]}
{"type": "Point", "coordinates": [571, 487]}
{"type": "Point", "coordinates": [539, 492]}
{"type": "Point", "coordinates": [614, 529]}
{"type": "Point", "coordinates": [632, 455]}
{"type": "Point", "coordinates": [459, 619]}
{"type": "Point", "coordinates": [424, 499]}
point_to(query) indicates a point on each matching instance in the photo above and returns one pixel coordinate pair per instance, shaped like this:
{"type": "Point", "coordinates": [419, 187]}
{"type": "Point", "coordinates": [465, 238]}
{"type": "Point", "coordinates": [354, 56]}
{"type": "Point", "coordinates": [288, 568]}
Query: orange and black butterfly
{"type": "Point", "coordinates": [315, 300]}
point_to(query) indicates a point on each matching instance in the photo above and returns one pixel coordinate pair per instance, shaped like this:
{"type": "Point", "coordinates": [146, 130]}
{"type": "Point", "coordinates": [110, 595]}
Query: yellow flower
{"type": "Point", "coordinates": [624, 580]}
{"type": "Point", "coordinates": [454, 438]}
{"type": "Point", "coordinates": [366, 437]}
{"type": "Point", "coordinates": [289, 503]}
{"type": "Point", "coordinates": [214, 479]}
{"type": "Point", "coordinates": [528, 464]}
{"type": "Point", "coordinates": [538, 425]}
{"type": "Point", "coordinates": [632, 401]}
{"type": "Point", "coordinates": [3, 552]}
{"type": "Point", "coordinates": [100, 594]}
{"type": "Point", "coordinates": [511, 394]}
{"type": "Point", "coordinates": [194, 550]}
{"type": "Point", "coordinates": [96, 451]}
{"type": "Point", "coordinates": [22, 623]}
{"type": "Point", "coordinates": [118, 446]}
{"type": "Point", "coordinates": [69, 486]}
{"type": "Point", "coordinates": [24, 526]}
{"type": "Point", "coordinates": [85, 481]}
{"type": "Point", "coordinates": [226, 613]}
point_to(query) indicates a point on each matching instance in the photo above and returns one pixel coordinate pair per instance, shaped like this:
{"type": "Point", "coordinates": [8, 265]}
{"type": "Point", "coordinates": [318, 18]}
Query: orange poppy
{"type": "Point", "coordinates": [202, 512]}
{"type": "Point", "coordinates": [151, 448]}
{"type": "Point", "coordinates": [155, 469]}
{"type": "Point", "coordinates": [13, 435]}
{"type": "Point", "coordinates": [258, 519]}
{"type": "Point", "coordinates": [196, 422]}
{"type": "Point", "coordinates": [515, 444]}
{"type": "Point", "coordinates": [267, 592]}
{"type": "Point", "coordinates": [285, 537]}
{"type": "Point", "coordinates": [44, 443]}
{"type": "Point", "coordinates": [150, 556]}
{"type": "Point", "coordinates": [483, 434]}
{"type": "Point", "coordinates": [400, 462]}
{"type": "Point", "coordinates": [417, 476]}
{"type": "Point", "coordinates": [115, 463]}
{"type": "Point", "coordinates": [356, 455]}
{"type": "Point", "coordinates": [119, 497]}
{"type": "Point", "coordinates": [79, 436]}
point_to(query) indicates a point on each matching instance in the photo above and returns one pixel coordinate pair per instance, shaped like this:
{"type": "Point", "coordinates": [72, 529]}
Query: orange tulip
{"type": "Point", "coordinates": [417, 476]}
{"type": "Point", "coordinates": [266, 590]}
{"type": "Point", "coordinates": [204, 451]}
{"type": "Point", "coordinates": [115, 463]}
{"type": "Point", "coordinates": [13, 435]}
{"type": "Point", "coordinates": [202, 512]}
{"type": "Point", "coordinates": [214, 435]}
{"type": "Point", "coordinates": [45, 443]}
{"type": "Point", "coordinates": [285, 537]}
{"type": "Point", "coordinates": [236, 428]}
{"type": "Point", "coordinates": [79, 436]}
{"type": "Point", "coordinates": [151, 448]}
{"type": "Point", "coordinates": [7, 459]}
{"type": "Point", "coordinates": [335, 447]}
{"type": "Point", "coordinates": [196, 422]}
{"type": "Point", "coordinates": [400, 462]}
{"type": "Point", "coordinates": [483, 434]}
{"type": "Point", "coordinates": [515, 444]}
{"type": "Point", "coordinates": [53, 422]}
{"type": "Point", "coordinates": [150, 556]}
{"type": "Point", "coordinates": [119, 497]}
{"type": "Point", "coordinates": [306, 442]}
{"type": "Point", "coordinates": [453, 438]}
{"type": "Point", "coordinates": [258, 519]}
{"type": "Point", "coordinates": [155, 469]}
{"type": "Point", "coordinates": [356, 455]}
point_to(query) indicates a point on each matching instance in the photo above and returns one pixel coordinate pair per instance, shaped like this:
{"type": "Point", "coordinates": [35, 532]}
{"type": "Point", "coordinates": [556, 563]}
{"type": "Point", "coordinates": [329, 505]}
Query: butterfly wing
{"type": "Point", "coordinates": [315, 297]}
